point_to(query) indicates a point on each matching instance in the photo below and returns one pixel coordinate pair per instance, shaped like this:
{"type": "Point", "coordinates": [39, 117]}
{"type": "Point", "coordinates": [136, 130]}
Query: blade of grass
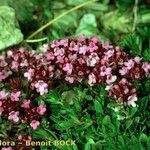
{"type": "Point", "coordinates": [58, 17]}
{"type": "Point", "coordinates": [36, 40]}
{"type": "Point", "coordinates": [135, 16]}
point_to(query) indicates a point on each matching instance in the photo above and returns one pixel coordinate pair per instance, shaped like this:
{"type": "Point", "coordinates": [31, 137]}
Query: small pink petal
{"type": "Point", "coordinates": [34, 124]}
{"type": "Point", "coordinates": [69, 79]}
{"type": "Point", "coordinates": [26, 104]}
{"type": "Point", "coordinates": [15, 96]}
{"type": "Point", "coordinates": [41, 109]}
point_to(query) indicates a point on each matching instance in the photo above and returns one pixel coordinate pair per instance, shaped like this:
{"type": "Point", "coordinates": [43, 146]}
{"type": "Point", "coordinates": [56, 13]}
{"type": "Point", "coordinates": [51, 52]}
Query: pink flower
{"type": "Point", "coordinates": [123, 71]}
{"type": "Point", "coordinates": [105, 71]}
{"type": "Point", "coordinates": [24, 63]}
{"type": "Point", "coordinates": [81, 61]}
{"type": "Point", "coordinates": [14, 116]}
{"type": "Point", "coordinates": [81, 38]}
{"type": "Point", "coordinates": [137, 59]}
{"type": "Point", "coordinates": [69, 79]}
{"type": "Point", "coordinates": [146, 67]}
{"type": "Point", "coordinates": [2, 57]}
{"type": "Point", "coordinates": [104, 60]}
{"type": "Point", "coordinates": [73, 46]}
{"type": "Point", "coordinates": [41, 109]}
{"type": "Point", "coordinates": [54, 44]}
{"type": "Point", "coordinates": [7, 73]}
{"type": "Point", "coordinates": [83, 49]}
{"type": "Point", "coordinates": [1, 103]}
{"type": "Point", "coordinates": [7, 148]}
{"type": "Point", "coordinates": [21, 49]}
{"type": "Point", "coordinates": [15, 57]}
{"type": "Point", "coordinates": [39, 57]}
{"type": "Point", "coordinates": [15, 96]}
{"type": "Point", "coordinates": [68, 68]}
{"type": "Point", "coordinates": [20, 137]}
{"type": "Point", "coordinates": [94, 39]}
{"type": "Point", "coordinates": [126, 89]}
{"type": "Point", "coordinates": [3, 63]}
{"type": "Point", "coordinates": [9, 53]}
{"type": "Point", "coordinates": [72, 57]}
{"type": "Point", "coordinates": [123, 81]}
{"type": "Point", "coordinates": [80, 73]}
{"type": "Point", "coordinates": [131, 100]}
{"type": "Point", "coordinates": [29, 138]}
{"type": "Point", "coordinates": [34, 124]}
{"type": "Point", "coordinates": [41, 87]}
{"type": "Point", "coordinates": [92, 59]}
{"type": "Point", "coordinates": [45, 47]}
{"type": "Point", "coordinates": [106, 45]}
{"type": "Point", "coordinates": [15, 65]}
{"type": "Point", "coordinates": [129, 64]}
{"type": "Point", "coordinates": [109, 53]}
{"type": "Point", "coordinates": [92, 47]}
{"type": "Point", "coordinates": [26, 104]}
{"type": "Point", "coordinates": [91, 79]}
{"type": "Point", "coordinates": [2, 76]}
{"type": "Point", "coordinates": [59, 52]}
{"type": "Point", "coordinates": [50, 68]}
{"type": "Point", "coordinates": [29, 74]}
{"type": "Point", "coordinates": [3, 94]}
{"type": "Point", "coordinates": [64, 42]}
{"type": "Point", "coordinates": [116, 87]}
{"type": "Point", "coordinates": [50, 56]}
{"type": "Point", "coordinates": [111, 79]}
{"type": "Point", "coordinates": [60, 59]}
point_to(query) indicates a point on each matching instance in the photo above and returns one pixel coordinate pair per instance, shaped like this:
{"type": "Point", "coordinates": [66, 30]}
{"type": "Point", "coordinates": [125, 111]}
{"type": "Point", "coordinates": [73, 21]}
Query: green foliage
{"type": "Point", "coordinates": [137, 43]}
{"type": "Point", "coordinates": [132, 43]}
{"type": "Point", "coordinates": [87, 26]}
{"type": "Point", "coordinates": [94, 122]}
{"type": "Point", "coordinates": [114, 20]}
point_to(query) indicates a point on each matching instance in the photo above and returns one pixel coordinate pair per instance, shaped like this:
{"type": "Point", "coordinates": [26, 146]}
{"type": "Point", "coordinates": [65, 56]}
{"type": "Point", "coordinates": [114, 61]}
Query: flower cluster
{"type": "Point", "coordinates": [73, 60]}
{"type": "Point", "coordinates": [123, 91]}
{"type": "Point", "coordinates": [94, 62]}
{"type": "Point", "coordinates": [20, 110]}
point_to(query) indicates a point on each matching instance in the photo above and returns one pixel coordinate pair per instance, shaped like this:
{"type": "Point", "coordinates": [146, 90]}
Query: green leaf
{"type": "Point", "coordinates": [145, 18]}
{"type": "Point", "coordinates": [44, 134]}
{"type": "Point", "coordinates": [65, 23]}
{"type": "Point", "coordinates": [132, 111]}
{"type": "Point", "coordinates": [146, 54]}
{"type": "Point", "coordinates": [143, 137]}
{"type": "Point", "coordinates": [94, 6]}
{"type": "Point", "coordinates": [52, 98]}
{"type": "Point", "coordinates": [87, 26]}
{"type": "Point", "coordinates": [148, 123]}
{"type": "Point", "coordinates": [132, 43]}
{"type": "Point", "coordinates": [106, 120]}
{"type": "Point", "coordinates": [65, 125]}
{"type": "Point", "coordinates": [98, 108]}
{"type": "Point", "coordinates": [10, 34]}
{"type": "Point", "coordinates": [147, 86]}
{"type": "Point", "coordinates": [117, 21]}
{"type": "Point", "coordinates": [128, 123]}
{"type": "Point", "coordinates": [136, 121]}
{"type": "Point", "coordinates": [68, 96]}
{"type": "Point", "coordinates": [89, 143]}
